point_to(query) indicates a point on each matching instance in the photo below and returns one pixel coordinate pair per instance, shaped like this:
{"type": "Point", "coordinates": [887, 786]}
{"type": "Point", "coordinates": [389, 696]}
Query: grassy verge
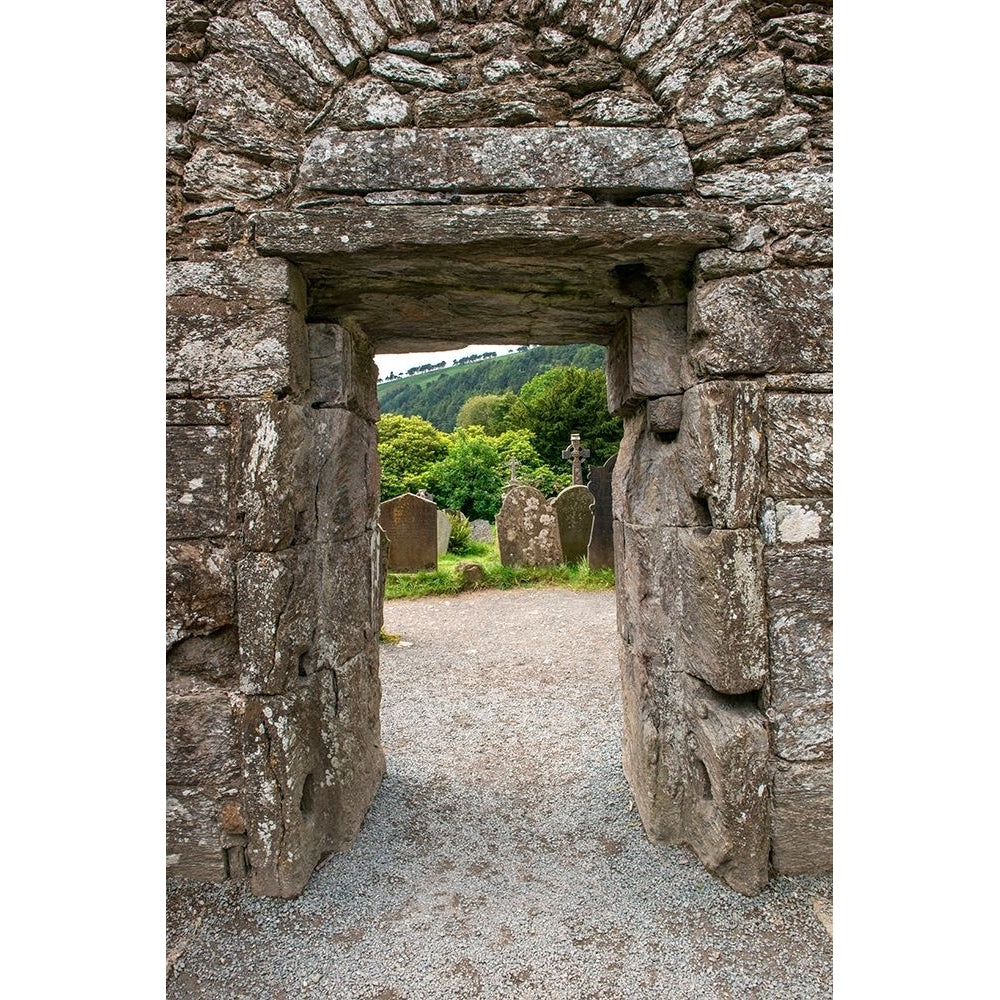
{"type": "Point", "coordinates": [444, 581]}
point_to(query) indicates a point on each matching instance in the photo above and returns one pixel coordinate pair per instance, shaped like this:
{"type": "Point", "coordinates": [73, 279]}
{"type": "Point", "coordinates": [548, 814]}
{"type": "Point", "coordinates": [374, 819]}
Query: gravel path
{"type": "Point", "coordinates": [502, 856]}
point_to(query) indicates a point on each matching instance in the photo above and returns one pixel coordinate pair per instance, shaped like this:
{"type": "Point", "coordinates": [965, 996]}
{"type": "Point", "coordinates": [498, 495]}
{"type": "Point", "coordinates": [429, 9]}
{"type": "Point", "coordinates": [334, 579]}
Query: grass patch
{"type": "Point", "coordinates": [443, 581]}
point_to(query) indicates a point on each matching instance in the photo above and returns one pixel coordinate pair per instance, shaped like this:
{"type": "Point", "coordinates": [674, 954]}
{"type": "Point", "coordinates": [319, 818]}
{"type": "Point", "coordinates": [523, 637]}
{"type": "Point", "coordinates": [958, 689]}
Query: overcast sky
{"type": "Point", "coordinates": [401, 363]}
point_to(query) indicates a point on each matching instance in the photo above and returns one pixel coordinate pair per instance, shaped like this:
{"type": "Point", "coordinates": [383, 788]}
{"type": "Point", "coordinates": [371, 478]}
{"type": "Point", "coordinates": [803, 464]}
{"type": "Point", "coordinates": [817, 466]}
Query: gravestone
{"type": "Point", "coordinates": [601, 550]}
{"type": "Point", "coordinates": [573, 509]}
{"type": "Point", "coordinates": [575, 454]}
{"type": "Point", "coordinates": [482, 531]}
{"type": "Point", "coordinates": [443, 532]}
{"type": "Point", "coordinates": [411, 525]}
{"type": "Point", "coordinates": [528, 529]}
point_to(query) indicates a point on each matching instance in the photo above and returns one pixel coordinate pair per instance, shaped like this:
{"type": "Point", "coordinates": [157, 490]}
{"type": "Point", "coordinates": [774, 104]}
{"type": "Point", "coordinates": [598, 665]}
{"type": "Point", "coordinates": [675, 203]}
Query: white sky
{"type": "Point", "coordinates": [401, 363]}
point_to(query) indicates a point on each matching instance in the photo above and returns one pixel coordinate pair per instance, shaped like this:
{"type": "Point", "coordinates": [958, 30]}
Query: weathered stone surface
{"type": "Point", "coordinates": [343, 49]}
{"type": "Point", "coordinates": [710, 34]}
{"type": "Point", "coordinates": [343, 372]}
{"type": "Point", "coordinates": [410, 523]}
{"type": "Point", "coordinates": [609, 108]}
{"type": "Point", "coordinates": [353, 579]}
{"type": "Point", "coordinates": [663, 415]}
{"type": "Point", "coordinates": [809, 79]}
{"type": "Point", "coordinates": [556, 48]}
{"type": "Point", "coordinates": [197, 286]}
{"type": "Point", "coordinates": [649, 487]}
{"type": "Point", "coordinates": [799, 521]}
{"type": "Point", "coordinates": [470, 574]}
{"type": "Point", "coordinates": [721, 444]}
{"type": "Point", "coordinates": [219, 355]}
{"type": "Point", "coordinates": [199, 662]}
{"type": "Point", "coordinates": [573, 512]}
{"type": "Point", "coordinates": [482, 531]}
{"type": "Point", "coordinates": [443, 532]}
{"type": "Point", "coordinates": [194, 843]}
{"type": "Point", "coordinates": [277, 598]}
{"type": "Point", "coordinates": [644, 358]}
{"type": "Point", "coordinates": [296, 45]}
{"type": "Point", "coordinates": [802, 820]}
{"type": "Point", "coordinates": [601, 545]}
{"type": "Point", "coordinates": [313, 764]}
{"type": "Point", "coordinates": [727, 822]}
{"type": "Point", "coordinates": [411, 72]}
{"type": "Point", "coordinates": [200, 588]}
{"type": "Point", "coordinates": [725, 263]}
{"type": "Point", "coordinates": [779, 135]}
{"type": "Point", "coordinates": [528, 529]}
{"type": "Point", "coordinates": [491, 159]}
{"type": "Point", "coordinates": [801, 250]}
{"type": "Point", "coordinates": [647, 32]}
{"type": "Point", "coordinates": [800, 624]}
{"type": "Point", "coordinates": [362, 23]}
{"type": "Point", "coordinates": [584, 76]}
{"type": "Point", "coordinates": [346, 490]}
{"type": "Point", "coordinates": [749, 186]}
{"type": "Point", "coordinates": [722, 630]}
{"type": "Point", "coordinates": [369, 104]}
{"type": "Point", "coordinates": [506, 104]}
{"type": "Point", "coordinates": [213, 175]}
{"type": "Point", "coordinates": [727, 96]}
{"type": "Point", "coordinates": [197, 482]}
{"type": "Point", "coordinates": [774, 321]}
{"type": "Point", "coordinates": [202, 741]}
{"type": "Point", "coordinates": [799, 444]}
{"type": "Point", "coordinates": [804, 36]}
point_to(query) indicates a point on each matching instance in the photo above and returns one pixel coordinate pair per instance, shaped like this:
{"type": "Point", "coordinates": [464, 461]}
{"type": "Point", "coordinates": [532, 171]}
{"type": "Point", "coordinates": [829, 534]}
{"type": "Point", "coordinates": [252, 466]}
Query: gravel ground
{"type": "Point", "coordinates": [502, 856]}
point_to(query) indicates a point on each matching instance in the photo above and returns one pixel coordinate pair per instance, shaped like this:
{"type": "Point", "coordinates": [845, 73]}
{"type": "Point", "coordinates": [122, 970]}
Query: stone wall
{"type": "Point", "coordinates": [345, 176]}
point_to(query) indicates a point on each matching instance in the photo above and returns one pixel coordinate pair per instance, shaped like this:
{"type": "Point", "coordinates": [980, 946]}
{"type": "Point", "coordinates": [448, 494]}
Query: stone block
{"type": "Point", "coordinates": [779, 135]}
{"type": "Point", "coordinates": [343, 373]}
{"type": "Point", "coordinates": [200, 589]}
{"type": "Point", "coordinates": [727, 820]}
{"type": "Point", "coordinates": [199, 412]}
{"type": "Point", "coordinates": [257, 282]}
{"type": "Point", "coordinates": [369, 104]}
{"type": "Point", "coordinates": [346, 487]}
{"type": "Point", "coordinates": [313, 764]}
{"type": "Point", "coordinates": [233, 353]}
{"type": "Point", "coordinates": [505, 104]}
{"type": "Point", "coordinates": [805, 520]}
{"type": "Point", "coordinates": [610, 108]}
{"type": "Point", "coordinates": [649, 487]}
{"type": "Point", "coordinates": [351, 599]}
{"type": "Point", "coordinates": [338, 43]}
{"type": "Point", "coordinates": [213, 175]}
{"type": "Point", "coordinates": [278, 618]}
{"type": "Point", "coordinates": [194, 841]}
{"type": "Point", "coordinates": [802, 819]}
{"type": "Point", "coordinates": [722, 631]}
{"type": "Point", "coordinates": [202, 741]}
{"type": "Point", "coordinates": [812, 185]}
{"type": "Point", "coordinates": [799, 444]}
{"type": "Point", "coordinates": [200, 660]}
{"type": "Point", "coordinates": [644, 358]}
{"type": "Point", "coordinates": [400, 69]}
{"type": "Point", "coordinates": [773, 321]}
{"type": "Point", "coordinates": [721, 449]}
{"type": "Point", "coordinates": [800, 628]}
{"type": "Point", "coordinates": [197, 482]}
{"type": "Point", "coordinates": [610, 160]}
{"type": "Point", "coordinates": [663, 415]}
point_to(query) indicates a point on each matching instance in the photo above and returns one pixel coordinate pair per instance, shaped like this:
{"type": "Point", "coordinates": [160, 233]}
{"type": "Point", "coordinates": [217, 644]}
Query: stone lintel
{"type": "Point", "coordinates": [607, 159]}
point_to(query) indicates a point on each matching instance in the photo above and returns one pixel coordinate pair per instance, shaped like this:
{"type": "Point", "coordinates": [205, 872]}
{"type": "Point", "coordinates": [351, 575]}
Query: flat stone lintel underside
{"type": "Point", "coordinates": [433, 277]}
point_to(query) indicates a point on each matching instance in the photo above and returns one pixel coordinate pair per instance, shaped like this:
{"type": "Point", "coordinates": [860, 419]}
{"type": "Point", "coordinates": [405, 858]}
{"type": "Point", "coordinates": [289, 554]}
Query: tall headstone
{"type": "Point", "coordinates": [528, 529]}
{"type": "Point", "coordinates": [601, 550]}
{"type": "Point", "coordinates": [443, 532]}
{"type": "Point", "coordinates": [575, 454]}
{"type": "Point", "coordinates": [572, 508]}
{"type": "Point", "coordinates": [411, 525]}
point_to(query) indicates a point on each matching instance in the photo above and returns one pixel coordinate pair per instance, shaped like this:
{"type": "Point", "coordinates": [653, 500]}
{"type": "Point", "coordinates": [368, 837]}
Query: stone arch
{"type": "Point", "coordinates": [696, 245]}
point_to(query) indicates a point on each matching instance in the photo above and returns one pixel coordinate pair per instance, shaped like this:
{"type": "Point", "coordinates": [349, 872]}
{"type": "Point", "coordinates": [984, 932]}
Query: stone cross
{"type": "Point", "coordinates": [574, 453]}
{"type": "Point", "coordinates": [513, 464]}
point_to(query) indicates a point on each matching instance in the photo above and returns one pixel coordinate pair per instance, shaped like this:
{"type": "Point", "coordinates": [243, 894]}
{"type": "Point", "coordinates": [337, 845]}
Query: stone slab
{"type": "Point", "coordinates": [576, 518]}
{"type": "Point", "coordinates": [802, 819]}
{"type": "Point", "coordinates": [528, 529]}
{"type": "Point", "coordinates": [443, 532]}
{"type": "Point", "coordinates": [799, 444]}
{"type": "Point", "coordinates": [601, 545]}
{"type": "Point", "coordinates": [772, 321]}
{"type": "Point", "coordinates": [410, 523]}
{"type": "Point", "coordinates": [197, 482]}
{"type": "Point", "coordinates": [200, 588]}
{"type": "Point", "coordinates": [610, 160]}
{"type": "Point", "coordinates": [644, 359]}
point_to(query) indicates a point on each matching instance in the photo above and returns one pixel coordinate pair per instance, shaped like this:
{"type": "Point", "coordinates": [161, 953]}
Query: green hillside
{"type": "Point", "coordinates": [437, 396]}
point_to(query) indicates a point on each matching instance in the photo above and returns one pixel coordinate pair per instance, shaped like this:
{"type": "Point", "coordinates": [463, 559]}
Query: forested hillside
{"type": "Point", "coordinates": [438, 395]}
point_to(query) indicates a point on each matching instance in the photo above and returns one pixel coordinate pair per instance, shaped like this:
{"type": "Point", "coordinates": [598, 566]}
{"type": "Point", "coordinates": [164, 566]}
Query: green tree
{"type": "Point", "coordinates": [563, 400]}
{"type": "Point", "coordinates": [492, 412]}
{"type": "Point", "coordinates": [469, 477]}
{"type": "Point", "coordinates": [407, 447]}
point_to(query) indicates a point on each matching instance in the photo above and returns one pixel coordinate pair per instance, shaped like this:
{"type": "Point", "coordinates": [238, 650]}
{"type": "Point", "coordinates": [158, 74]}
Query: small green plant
{"type": "Point", "coordinates": [461, 533]}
